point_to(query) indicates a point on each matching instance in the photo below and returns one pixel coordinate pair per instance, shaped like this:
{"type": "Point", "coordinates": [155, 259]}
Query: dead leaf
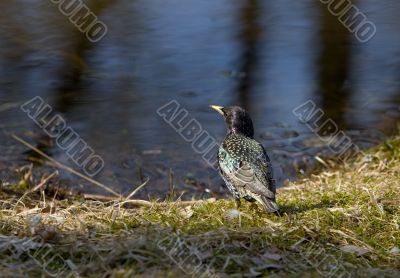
{"type": "Point", "coordinates": [272, 256]}
{"type": "Point", "coordinates": [359, 251]}
{"type": "Point", "coordinates": [186, 212]}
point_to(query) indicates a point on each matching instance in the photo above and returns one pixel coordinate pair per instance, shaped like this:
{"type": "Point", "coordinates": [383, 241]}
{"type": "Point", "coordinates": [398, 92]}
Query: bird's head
{"type": "Point", "coordinates": [236, 119]}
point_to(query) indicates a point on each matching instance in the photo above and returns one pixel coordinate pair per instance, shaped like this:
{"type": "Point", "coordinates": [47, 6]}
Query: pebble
{"type": "Point", "coordinates": [232, 214]}
{"type": "Point", "coordinates": [394, 251]}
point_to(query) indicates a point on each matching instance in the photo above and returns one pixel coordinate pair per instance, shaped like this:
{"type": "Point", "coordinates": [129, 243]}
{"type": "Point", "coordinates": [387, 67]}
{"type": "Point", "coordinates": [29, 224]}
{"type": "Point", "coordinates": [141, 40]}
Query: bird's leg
{"type": "Point", "coordinates": [237, 201]}
{"type": "Point", "coordinates": [278, 213]}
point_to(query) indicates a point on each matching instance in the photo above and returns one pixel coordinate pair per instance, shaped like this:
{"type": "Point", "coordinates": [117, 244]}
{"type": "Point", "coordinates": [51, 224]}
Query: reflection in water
{"type": "Point", "coordinates": [70, 73]}
{"type": "Point", "coordinates": [250, 37]}
{"type": "Point", "coordinates": [288, 51]}
{"type": "Point", "coordinates": [69, 77]}
{"type": "Point", "coordinates": [334, 68]}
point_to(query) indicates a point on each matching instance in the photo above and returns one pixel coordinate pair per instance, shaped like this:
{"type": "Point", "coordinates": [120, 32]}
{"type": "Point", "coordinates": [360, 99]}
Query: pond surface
{"type": "Point", "coordinates": [266, 56]}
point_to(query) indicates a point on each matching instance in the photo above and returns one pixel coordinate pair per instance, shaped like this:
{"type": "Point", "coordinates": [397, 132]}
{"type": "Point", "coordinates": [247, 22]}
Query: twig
{"type": "Point", "coordinates": [40, 185]}
{"type": "Point", "coordinates": [144, 202]}
{"type": "Point", "coordinates": [62, 166]}
{"type": "Point", "coordinates": [177, 203]}
{"type": "Point", "coordinates": [137, 189]}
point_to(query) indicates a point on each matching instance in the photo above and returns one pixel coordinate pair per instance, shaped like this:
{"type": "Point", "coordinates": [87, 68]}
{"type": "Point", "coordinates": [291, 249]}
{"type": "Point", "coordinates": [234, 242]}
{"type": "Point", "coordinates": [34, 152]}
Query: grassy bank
{"type": "Point", "coordinates": [343, 221]}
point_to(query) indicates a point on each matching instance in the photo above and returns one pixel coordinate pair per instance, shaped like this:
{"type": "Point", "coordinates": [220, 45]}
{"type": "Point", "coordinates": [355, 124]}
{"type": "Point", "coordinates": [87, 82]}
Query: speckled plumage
{"type": "Point", "coordinates": [244, 164]}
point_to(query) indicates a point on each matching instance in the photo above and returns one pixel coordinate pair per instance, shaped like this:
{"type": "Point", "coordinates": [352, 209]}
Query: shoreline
{"type": "Point", "coordinates": [342, 221]}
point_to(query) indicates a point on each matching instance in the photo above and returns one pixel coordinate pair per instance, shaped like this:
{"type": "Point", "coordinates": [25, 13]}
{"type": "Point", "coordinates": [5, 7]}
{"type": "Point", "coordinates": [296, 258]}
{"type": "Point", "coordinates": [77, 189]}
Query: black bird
{"type": "Point", "coordinates": [243, 162]}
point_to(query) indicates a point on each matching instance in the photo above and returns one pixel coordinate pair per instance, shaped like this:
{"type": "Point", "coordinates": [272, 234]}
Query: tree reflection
{"type": "Point", "coordinates": [250, 37]}
{"type": "Point", "coordinates": [69, 78]}
{"type": "Point", "coordinates": [334, 66]}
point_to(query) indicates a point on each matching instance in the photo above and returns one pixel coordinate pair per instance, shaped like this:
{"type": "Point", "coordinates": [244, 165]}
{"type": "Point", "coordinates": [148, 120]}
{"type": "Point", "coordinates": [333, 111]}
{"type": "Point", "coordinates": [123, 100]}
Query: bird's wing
{"type": "Point", "coordinates": [243, 176]}
{"type": "Point", "coordinates": [266, 168]}
{"type": "Point", "coordinates": [251, 181]}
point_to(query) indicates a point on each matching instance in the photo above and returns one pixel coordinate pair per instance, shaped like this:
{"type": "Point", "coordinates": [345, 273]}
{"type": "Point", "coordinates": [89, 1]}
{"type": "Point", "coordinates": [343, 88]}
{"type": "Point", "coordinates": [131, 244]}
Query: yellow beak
{"type": "Point", "coordinates": [218, 109]}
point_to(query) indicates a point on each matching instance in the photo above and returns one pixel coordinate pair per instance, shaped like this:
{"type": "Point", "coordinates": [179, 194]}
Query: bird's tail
{"type": "Point", "coordinates": [269, 205]}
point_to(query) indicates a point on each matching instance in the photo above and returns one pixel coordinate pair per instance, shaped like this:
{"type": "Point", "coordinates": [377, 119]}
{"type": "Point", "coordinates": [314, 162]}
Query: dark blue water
{"type": "Point", "coordinates": [266, 56]}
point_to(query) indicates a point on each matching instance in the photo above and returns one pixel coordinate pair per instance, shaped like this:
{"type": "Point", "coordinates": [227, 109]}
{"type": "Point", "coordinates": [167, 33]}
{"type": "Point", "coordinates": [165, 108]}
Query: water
{"type": "Point", "coordinates": [266, 56]}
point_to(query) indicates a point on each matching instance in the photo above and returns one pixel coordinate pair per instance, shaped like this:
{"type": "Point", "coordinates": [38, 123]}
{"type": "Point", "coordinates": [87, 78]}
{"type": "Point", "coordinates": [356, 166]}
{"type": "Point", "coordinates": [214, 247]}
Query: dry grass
{"type": "Point", "coordinates": [343, 221]}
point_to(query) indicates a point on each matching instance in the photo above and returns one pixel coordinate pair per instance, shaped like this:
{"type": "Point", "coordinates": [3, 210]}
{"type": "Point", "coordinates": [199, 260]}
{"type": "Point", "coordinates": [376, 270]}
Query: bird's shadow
{"type": "Point", "coordinates": [295, 209]}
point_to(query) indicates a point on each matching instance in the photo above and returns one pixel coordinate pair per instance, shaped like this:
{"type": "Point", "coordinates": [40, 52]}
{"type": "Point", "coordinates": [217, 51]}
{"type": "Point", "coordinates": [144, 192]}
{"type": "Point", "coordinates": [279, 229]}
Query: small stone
{"type": "Point", "coordinates": [290, 134]}
{"type": "Point", "coordinates": [359, 251]}
{"type": "Point", "coordinates": [232, 214]}
{"type": "Point", "coordinates": [394, 251]}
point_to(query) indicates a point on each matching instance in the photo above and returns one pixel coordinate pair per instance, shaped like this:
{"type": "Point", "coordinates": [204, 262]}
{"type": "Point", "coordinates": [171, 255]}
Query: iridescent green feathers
{"type": "Point", "coordinates": [244, 165]}
{"type": "Point", "coordinates": [247, 171]}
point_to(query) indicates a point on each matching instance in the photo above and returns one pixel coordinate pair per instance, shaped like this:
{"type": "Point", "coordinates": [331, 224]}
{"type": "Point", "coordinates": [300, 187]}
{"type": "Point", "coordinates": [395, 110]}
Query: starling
{"type": "Point", "coordinates": [243, 162]}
